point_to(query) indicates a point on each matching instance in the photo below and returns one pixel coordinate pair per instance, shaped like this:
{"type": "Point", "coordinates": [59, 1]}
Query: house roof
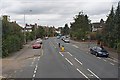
{"type": "Point", "coordinates": [96, 25]}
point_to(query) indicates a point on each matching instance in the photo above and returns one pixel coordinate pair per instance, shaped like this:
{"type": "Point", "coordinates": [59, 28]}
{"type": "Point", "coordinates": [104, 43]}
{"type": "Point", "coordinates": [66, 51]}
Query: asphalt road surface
{"type": "Point", "coordinates": [50, 62]}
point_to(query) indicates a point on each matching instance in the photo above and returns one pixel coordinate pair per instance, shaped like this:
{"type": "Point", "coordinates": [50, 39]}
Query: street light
{"type": "Point", "coordinates": [25, 27]}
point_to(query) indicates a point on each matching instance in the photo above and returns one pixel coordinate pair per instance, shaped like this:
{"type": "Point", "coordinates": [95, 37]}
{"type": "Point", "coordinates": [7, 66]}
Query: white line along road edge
{"type": "Point", "coordinates": [93, 74]}
{"type": "Point", "coordinates": [69, 61]}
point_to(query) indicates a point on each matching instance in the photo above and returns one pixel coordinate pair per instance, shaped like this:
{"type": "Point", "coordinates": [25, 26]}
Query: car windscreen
{"type": "Point", "coordinates": [103, 50]}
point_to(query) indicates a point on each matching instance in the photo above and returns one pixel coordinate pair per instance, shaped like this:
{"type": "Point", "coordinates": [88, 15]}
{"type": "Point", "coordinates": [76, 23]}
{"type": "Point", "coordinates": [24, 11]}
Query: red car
{"type": "Point", "coordinates": [36, 45]}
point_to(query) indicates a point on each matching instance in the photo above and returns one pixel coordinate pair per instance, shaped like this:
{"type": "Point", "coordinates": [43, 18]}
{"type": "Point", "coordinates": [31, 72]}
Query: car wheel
{"type": "Point", "coordinates": [91, 52]}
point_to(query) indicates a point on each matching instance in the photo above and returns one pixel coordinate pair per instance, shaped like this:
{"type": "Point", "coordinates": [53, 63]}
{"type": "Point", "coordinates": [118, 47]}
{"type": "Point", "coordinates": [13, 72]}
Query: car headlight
{"type": "Point", "coordinates": [107, 53]}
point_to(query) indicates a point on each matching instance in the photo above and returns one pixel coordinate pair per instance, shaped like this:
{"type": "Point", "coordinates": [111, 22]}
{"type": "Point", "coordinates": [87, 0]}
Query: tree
{"type": "Point", "coordinates": [12, 38]}
{"type": "Point", "coordinates": [109, 33]}
{"type": "Point", "coordinates": [80, 27]}
{"type": "Point", "coordinates": [117, 21]}
{"type": "Point", "coordinates": [65, 30]}
{"type": "Point", "coordinates": [40, 32]}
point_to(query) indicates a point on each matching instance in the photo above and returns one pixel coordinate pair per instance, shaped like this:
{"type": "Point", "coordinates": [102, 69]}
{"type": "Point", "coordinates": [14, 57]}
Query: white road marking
{"type": "Point", "coordinates": [78, 61]}
{"type": "Point", "coordinates": [90, 74]}
{"type": "Point", "coordinates": [75, 46]}
{"type": "Point", "coordinates": [82, 73]}
{"type": "Point", "coordinates": [115, 61]}
{"type": "Point", "coordinates": [112, 63]}
{"type": "Point", "coordinates": [98, 57]}
{"type": "Point", "coordinates": [38, 59]}
{"type": "Point", "coordinates": [36, 66]}
{"type": "Point", "coordinates": [34, 71]}
{"type": "Point", "coordinates": [69, 61]}
{"type": "Point", "coordinates": [33, 75]}
{"type": "Point", "coordinates": [112, 60]}
{"type": "Point", "coordinates": [32, 63]}
{"type": "Point", "coordinates": [69, 54]}
{"type": "Point", "coordinates": [93, 74]}
{"type": "Point", "coordinates": [61, 53]}
{"type": "Point", "coordinates": [104, 60]}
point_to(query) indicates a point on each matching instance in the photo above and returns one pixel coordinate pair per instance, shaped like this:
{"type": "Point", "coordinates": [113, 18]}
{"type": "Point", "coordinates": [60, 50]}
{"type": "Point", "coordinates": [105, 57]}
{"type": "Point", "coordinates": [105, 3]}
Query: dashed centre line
{"type": "Point", "coordinates": [69, 54]}
{"type": "Point", "coordinates": [75, 46]}
{"type": "Point", "coordinates": [78, 61]}
{"type": "Point", "coordinates": [33, 75]}
{"type": "Point", "coordinates": [69, 61]}
{"type": "Point", "coordinates": [35, 70]}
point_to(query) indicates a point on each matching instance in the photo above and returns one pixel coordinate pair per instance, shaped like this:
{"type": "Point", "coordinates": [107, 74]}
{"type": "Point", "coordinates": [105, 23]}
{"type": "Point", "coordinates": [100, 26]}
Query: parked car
{"type": "Point", "coordinates": [66, 40]}
{"type": "Point", "coordinates": [98, 51]}
{"type": "Point", "coordinates": [36, 45]}
{"type": "Point", "coordinates": [46, 37]}
{"type": "Point", "coordinates": [39, 40]}
{"type": "Point", "coordinates": [62, 38]}
{"type": "Point", "coordinates": [58, 37]}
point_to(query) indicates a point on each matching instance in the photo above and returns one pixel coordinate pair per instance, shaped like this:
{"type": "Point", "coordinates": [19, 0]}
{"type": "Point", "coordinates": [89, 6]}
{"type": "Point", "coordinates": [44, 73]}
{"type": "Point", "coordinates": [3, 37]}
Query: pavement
{"type": "Point", "coordinates": [49, 62]}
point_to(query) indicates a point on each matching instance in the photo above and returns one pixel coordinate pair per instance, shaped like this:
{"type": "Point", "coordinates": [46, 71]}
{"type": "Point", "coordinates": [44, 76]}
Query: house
{"type": "Point", "coordinates": [30, 28]}
{"type": "Point", "coordinates": [98, 26]}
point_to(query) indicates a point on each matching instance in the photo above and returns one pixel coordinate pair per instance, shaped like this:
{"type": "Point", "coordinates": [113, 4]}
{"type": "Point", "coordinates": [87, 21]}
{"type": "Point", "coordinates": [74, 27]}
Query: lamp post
{"type": "Point", "coordinates": [25, 27]}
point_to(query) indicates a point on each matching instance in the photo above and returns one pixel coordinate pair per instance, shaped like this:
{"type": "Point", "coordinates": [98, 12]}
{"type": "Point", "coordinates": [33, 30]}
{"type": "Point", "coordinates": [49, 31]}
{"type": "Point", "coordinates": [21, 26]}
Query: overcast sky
{"type": "Point", "coordinates": [55, 12]}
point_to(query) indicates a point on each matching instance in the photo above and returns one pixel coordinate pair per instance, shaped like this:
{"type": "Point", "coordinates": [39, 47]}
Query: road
{"type": "Point", "coordinates": [50, 62]}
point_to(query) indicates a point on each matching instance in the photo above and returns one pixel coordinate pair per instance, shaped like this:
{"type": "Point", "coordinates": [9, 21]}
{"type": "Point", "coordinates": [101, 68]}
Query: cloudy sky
{"type": "Point", "coordinates": [54, 12]}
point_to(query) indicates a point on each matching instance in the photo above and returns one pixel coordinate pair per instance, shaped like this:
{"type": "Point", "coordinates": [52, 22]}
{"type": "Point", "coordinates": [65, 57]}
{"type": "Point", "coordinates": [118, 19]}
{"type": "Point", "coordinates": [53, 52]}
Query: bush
{"type": "Point", "coordinates": [11, 44]}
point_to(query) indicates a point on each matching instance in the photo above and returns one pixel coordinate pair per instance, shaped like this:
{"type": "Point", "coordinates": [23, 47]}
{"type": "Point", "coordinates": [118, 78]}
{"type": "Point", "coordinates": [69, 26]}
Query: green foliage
{"type": "Point", "coordinates": [40, 32]}
{"type": "Point", "coordinates": [12, 38]}
{"type": "Point", "coordinates": [81, 27]}
{"type": "Point", "coordinates": [111, 32]}
{"type": "Point", "coordinates": [65, 30]}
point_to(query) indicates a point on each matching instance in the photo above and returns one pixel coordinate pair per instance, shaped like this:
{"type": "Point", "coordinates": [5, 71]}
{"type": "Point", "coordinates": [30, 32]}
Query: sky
{"type": "Point", "coordinates": [55, 12]}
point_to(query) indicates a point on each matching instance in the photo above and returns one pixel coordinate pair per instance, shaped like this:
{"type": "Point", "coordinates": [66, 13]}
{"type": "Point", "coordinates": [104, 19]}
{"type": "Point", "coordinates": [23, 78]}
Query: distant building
{"type": "Point", "coordinates": [30, 28]}
{"type": "Point", "coordinates": [98, 26]}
